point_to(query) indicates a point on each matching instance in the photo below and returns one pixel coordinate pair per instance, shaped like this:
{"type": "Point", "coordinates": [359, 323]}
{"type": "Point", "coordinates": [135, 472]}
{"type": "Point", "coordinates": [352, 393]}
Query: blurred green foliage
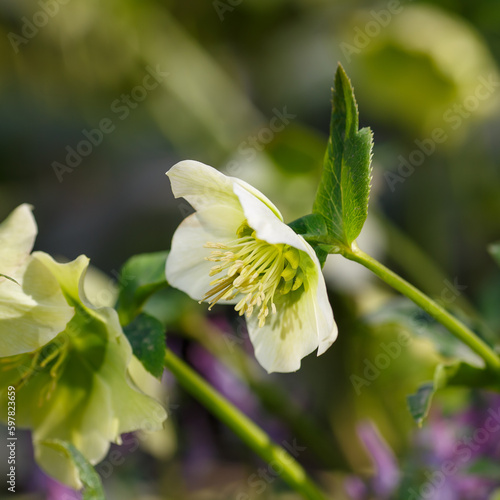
{"type": "Point", "coordinates": [220, 84]}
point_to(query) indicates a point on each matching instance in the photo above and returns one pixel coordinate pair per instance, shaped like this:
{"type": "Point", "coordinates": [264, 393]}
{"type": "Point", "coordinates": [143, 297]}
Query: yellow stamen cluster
{"type": "Point", "coordinates": [255, 269]}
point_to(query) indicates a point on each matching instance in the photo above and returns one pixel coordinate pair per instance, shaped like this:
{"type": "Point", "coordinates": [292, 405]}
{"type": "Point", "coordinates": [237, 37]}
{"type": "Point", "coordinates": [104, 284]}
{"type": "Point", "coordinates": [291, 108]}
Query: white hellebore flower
{"type": "Point", "coordinates": [236, 249]}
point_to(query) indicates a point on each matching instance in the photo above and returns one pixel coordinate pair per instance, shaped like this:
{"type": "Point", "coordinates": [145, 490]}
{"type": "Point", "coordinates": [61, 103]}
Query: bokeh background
{"type": "Point", "coordinates": [427, 82]}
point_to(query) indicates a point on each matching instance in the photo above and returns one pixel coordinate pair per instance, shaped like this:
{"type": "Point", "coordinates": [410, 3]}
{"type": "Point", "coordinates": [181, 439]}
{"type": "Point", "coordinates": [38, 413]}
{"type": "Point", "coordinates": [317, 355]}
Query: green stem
{"type": "Point", "coordinates": [246, 429]}
{"type": "Point", "coordinates": [427, 304]}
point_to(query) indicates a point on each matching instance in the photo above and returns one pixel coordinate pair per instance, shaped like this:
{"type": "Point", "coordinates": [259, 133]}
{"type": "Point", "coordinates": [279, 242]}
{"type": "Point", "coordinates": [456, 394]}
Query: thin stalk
{"type": "Point", "coordinates": [244, 428]}
{"type": "Point", "coordinates": [440, 314]}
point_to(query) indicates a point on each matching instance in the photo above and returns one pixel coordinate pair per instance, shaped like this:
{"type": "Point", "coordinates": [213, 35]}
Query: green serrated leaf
{"type": "Point", "coordinates": [146, 335]}
{"type": "Point", "coordinates": [420, 402]}
{"type": "Point", "coordinates": [141, 276]}
{"type": "Point", "coordinates": [88, 476]}
{"type": "Point", "coordinates": [494, 250]}
{"type": "Point", "coordinates": [343, 193]}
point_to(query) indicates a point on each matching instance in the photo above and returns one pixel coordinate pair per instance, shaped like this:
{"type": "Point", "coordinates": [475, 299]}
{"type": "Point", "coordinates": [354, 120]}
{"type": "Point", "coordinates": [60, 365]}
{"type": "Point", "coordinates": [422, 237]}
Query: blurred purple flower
{"type": "Point", "coordinates": [452, 458]}
{"type": "Point", "coordinates": [458, 451]}
{"type": "Point", "coordinates": [387, 475]}
{"type": "Point", "coordinates": [222, 379]}
{"type": "Point", "coordinates": [54, 490]}
{"type": "Point", "coordinates": [355, 488]}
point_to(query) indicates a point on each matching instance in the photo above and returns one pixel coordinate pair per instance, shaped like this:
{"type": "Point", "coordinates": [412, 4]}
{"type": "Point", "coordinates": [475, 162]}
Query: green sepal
{"type": "Point", "coordinates": [141, 276]}
{"type": "Point", "coordinates": [92, 486]}
{"type": "Point", "coordinates": [146, 335]}
{"type": "Point", "coordinates": [312, 228]}
{"type": "Point", "coordinates": [342, 197]}
{"type": "Point", "coordinates": [420, 402]}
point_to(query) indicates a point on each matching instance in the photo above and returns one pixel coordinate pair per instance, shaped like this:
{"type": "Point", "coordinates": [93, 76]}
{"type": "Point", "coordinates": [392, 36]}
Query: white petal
{"type": "Point", "coordinates": [201, 185]}
{"type": "Point", "coordinates": [260, 196]}
{"type": "Point", "coordinates": [269, 228]}
{"type": "Point", "coordinates": [17, 236]}
{"type": "Point", "coordinates": [265, 222]}
{"type": "Point", "coordinates": [204, 186]}
{"type": "Point", "coordinates": [296, 330]}
{"type": "Point", "coordinates": [187, 269]}
{"type": "Point", "coordinates": [327, 334]}
{"type": "Point", "coordinates": [328, 331]}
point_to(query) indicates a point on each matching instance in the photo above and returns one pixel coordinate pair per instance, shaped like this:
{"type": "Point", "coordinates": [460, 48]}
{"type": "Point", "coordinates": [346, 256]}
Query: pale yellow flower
{"type": "Point", "coordinates": [73, 382]}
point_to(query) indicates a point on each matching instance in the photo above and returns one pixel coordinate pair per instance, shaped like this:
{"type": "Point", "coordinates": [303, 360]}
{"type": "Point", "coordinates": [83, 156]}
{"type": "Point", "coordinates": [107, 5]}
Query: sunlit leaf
{"type": "Point", "coordinates": [140, 277]}
{"type": "Point", "coordinates": [147, 338]}
{"type": "Point", "coordinates": [342, 197]}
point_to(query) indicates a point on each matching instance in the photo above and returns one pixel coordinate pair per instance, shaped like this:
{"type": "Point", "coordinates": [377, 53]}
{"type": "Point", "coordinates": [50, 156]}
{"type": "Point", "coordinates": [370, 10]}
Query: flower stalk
{"type": "Point", "coordinates": [431, 307]}
{"type": "Point", "coordinates": [244, 428]}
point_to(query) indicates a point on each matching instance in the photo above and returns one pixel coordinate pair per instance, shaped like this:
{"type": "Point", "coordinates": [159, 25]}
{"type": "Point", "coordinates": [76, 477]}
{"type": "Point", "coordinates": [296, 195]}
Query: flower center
{"type": "Point", "coordinates": [260, 271]}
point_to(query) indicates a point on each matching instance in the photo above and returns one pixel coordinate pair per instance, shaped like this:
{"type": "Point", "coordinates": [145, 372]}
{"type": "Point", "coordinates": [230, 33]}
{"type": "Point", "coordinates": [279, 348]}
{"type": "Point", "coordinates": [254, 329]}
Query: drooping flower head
{"type": "Point", "coordinates": [74, 382]}
{"type": "Point", "coordinates": [236, 249]}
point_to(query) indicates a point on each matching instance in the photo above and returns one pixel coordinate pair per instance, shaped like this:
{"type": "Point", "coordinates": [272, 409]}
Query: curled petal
{"type": "Point", "coordinates": [202, 186]}
{"type": "Point", "coordinates": [17, 236]}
